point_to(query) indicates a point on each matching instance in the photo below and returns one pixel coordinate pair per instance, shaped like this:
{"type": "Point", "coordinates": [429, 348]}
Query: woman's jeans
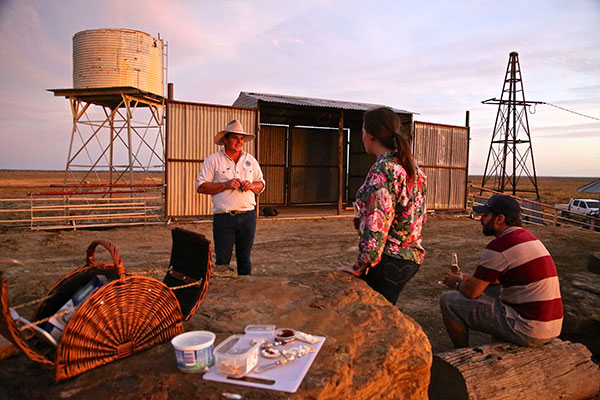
{"type": "Point", "coordinates": [390, 275]}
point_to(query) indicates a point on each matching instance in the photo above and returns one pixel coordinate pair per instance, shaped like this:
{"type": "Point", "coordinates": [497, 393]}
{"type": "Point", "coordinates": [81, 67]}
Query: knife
{"type": "Point", "coordinates": [287, 358]}
{"type": "Point", "coordinates": [262, 368]}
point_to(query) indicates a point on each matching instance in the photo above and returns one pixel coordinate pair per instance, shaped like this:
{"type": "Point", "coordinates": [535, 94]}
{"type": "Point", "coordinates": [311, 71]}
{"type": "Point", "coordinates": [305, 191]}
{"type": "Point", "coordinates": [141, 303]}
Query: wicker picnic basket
{"type": "Point", "coordinates": [128, 314]}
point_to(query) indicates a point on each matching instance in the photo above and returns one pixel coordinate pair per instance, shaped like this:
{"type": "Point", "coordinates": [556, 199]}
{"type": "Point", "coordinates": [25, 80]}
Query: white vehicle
{"type": "Point", "coordinates": [580, 207]}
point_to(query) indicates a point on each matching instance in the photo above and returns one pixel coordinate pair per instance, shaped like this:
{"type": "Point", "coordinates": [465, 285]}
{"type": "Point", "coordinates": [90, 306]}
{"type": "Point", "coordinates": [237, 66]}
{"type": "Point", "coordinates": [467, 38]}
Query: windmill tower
{"type": "Point", "coordinates": [510, 159]}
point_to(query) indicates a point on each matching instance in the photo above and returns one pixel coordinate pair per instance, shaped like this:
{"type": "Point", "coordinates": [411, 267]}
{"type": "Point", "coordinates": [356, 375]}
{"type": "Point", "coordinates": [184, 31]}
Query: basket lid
{"type": "Point", "coordinates": [189, 269]}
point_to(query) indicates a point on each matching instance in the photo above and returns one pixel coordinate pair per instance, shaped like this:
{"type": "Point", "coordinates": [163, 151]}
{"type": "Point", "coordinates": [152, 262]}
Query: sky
{"type": "Point", "coordinates": [435, 58]}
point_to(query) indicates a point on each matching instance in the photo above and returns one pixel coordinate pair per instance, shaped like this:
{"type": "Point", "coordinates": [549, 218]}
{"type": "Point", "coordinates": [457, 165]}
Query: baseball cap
{"type": "Point", "coordinates": [500, 204]}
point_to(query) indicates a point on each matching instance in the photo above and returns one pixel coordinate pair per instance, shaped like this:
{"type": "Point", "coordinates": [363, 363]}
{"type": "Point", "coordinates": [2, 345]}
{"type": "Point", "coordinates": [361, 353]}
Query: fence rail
{"type": "Point", "coordinates": [537, 213]}
{"type": "Point", "coordinates": [73, 209]}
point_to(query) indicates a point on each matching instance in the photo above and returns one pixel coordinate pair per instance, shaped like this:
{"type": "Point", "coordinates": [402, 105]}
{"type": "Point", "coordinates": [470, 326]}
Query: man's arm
{"type": "Point", "coordinates": [471, 287]}
{"type": "Point", "coordinates": [256, 186]}
{"type": "Point", "coordinates": [218, 187]}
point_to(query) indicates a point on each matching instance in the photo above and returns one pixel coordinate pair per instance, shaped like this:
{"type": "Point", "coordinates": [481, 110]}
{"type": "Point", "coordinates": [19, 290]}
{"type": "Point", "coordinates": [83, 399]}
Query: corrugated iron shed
{"type": "Point", "coordinates": [310, 151]}
{"type": "Point", "coordinates": [592, 187]}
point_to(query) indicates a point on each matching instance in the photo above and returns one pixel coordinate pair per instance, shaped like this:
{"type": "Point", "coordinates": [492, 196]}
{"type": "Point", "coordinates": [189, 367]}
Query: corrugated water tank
{"type": "Point", "coordinates": [118, 57]}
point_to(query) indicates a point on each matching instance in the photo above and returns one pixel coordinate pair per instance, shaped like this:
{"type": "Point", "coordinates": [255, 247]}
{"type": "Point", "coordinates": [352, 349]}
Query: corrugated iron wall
{"type": "Point", "coordinates": [313, 166]}
{"type": "Point", "coordinates": [190, 132]}
{"type": "Point", "coordinates": [442, 152]}
{"type": "Point", "coordinates": [272, 163]}
{"type": "Point", "coordinates": [360, 162]}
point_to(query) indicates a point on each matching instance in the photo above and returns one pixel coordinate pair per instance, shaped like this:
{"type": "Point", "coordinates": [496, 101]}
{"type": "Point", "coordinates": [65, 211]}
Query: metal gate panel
{"type": "Point", "coordinates": [442, 151]}
{"type": "Point", "coordinates": [272, 163]}
{"type": "Point", "coordinates": [191, 128]}
{"type": "Point", "coordinates": [313, 167]}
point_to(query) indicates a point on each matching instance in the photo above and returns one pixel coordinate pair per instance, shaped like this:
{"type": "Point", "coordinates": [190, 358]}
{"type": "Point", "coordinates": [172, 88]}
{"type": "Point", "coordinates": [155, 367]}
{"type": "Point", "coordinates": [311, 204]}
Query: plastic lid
{"type": "Point", "coordinates": [194, 340]}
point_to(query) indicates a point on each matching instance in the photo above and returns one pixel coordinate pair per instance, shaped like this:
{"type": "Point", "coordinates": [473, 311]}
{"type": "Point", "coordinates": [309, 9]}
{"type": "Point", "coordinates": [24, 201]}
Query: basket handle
{"type": "Point", "coordinates": [118, 261]}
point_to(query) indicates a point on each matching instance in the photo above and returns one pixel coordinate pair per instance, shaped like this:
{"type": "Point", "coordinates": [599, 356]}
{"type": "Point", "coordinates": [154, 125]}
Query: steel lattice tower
{"type": "Point", "coordinates": [507, 162]}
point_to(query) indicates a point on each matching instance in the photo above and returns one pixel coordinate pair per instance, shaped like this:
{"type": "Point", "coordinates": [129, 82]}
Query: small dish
{"type": "Point", "coordinates": [285, 335]}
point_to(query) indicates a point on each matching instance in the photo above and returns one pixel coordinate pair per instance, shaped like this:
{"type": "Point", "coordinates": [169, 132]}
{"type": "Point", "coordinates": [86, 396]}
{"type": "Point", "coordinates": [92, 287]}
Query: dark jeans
{"type": "Point", "coordinates": [390, 275]}
{"type": "Point", "coordinates": [235, 229]}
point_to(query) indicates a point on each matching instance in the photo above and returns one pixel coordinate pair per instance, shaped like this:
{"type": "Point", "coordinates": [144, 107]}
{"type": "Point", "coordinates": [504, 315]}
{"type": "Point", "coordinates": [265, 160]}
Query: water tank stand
{"type": "Point", "coordinates": [117, 136]}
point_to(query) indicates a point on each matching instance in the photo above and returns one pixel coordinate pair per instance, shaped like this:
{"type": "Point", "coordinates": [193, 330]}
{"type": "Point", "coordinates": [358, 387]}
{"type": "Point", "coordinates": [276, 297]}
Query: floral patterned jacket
{"type": "Point", "coordinates": [392, 213]}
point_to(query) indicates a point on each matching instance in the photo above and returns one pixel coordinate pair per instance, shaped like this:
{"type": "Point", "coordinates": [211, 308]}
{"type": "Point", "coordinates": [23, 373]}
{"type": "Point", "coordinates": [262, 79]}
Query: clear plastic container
{"type": "Point", "coordinates": [236, 356]}
{"type": "Point", "coordinates": [259, 329]}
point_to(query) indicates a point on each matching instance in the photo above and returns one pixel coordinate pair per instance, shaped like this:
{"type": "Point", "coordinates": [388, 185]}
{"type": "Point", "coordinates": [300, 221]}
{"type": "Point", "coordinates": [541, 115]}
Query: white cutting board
{"type": "Point", "coordinates": [285, 378]}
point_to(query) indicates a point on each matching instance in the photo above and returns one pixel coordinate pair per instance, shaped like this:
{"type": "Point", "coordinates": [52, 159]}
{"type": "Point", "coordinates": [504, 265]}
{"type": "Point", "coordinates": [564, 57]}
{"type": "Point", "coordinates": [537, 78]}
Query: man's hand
{"type": "Point", "coordinates": [472, 287]}
{"type": "Point", "coordinates": [234, 184]}
{"type": "Point", "coordinates": [451, 279]}
{"type": "Point", "coordinates": [218, 187]}
{"type": "Point", "coordinates": [246, 185]}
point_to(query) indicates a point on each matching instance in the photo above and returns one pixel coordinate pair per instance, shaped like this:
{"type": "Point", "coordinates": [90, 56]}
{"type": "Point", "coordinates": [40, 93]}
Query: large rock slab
{"type": "Point", "coordinates": [582, 315]}
{"type": "Point", "coordinates": [372, 349]}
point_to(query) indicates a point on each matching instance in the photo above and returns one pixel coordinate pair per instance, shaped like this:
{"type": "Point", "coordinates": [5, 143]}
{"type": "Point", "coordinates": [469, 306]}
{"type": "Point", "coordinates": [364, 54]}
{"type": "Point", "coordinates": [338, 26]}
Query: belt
{"type": "Point", "coordinates": [235, 212]}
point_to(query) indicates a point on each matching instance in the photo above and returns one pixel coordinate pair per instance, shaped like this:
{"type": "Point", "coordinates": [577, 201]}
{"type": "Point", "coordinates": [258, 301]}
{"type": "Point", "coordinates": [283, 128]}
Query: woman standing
{"type": "Point", "coordinates": [391, 202]}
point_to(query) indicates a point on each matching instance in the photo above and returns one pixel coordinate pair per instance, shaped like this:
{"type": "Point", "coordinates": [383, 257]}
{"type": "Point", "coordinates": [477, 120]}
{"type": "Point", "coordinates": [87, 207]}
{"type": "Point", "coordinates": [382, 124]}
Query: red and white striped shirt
{"type": "Point", "coordinates": [530, 288]}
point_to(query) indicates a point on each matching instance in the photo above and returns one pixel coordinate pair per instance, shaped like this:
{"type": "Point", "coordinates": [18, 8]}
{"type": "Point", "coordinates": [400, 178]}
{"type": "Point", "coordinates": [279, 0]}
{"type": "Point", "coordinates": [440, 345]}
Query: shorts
{"type": "Point", "coordinates": [487, 314]}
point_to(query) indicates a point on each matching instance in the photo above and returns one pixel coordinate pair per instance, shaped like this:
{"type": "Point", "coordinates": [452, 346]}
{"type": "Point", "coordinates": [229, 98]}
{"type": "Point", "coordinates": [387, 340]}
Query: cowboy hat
{"type": "Point", "coordinates": [233, 127]}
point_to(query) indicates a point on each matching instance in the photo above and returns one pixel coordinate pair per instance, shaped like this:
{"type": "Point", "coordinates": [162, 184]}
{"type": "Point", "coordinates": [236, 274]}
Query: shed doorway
{"type": "Point", "coordinates": [301, 164]}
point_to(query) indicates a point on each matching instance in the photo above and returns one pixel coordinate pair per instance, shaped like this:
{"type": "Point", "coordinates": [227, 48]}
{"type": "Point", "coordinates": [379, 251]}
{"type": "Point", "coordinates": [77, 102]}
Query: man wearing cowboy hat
{"type": "Point", "coordinates": [232, 177]}
{"type": "Point", "coordinates": [522, 303]}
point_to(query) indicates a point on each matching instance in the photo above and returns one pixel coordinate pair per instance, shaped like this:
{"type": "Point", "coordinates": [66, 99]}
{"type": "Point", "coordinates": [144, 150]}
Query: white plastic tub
{"type": "Point", "coordinates": [194, 350]}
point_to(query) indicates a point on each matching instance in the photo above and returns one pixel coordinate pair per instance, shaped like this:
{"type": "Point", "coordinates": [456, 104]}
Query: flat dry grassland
{"type": "Point", "coordinates": [553, 189]}
{"type": "Point", "coordinates": [18, 183]}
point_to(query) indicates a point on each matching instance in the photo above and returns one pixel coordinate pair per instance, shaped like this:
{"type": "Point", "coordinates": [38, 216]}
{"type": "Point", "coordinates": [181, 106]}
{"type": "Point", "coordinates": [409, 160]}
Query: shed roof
{"type": "Point", "coordinates": [592, 187]}
{"type": "Point", "coordinates": [307, 111]}
{"type": "Point", "coordinates": [250, 100]}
